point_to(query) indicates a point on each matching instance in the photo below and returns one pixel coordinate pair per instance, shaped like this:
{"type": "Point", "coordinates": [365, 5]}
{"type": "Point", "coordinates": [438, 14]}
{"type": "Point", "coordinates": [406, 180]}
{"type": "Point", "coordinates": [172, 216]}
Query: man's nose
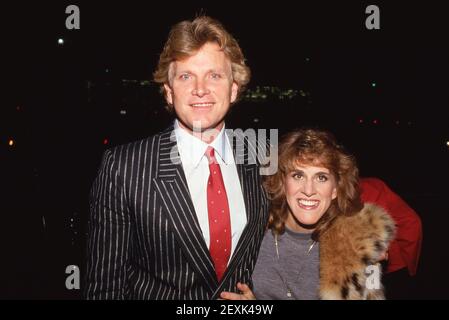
{"type": "Point", "coordinates": [200, 88]}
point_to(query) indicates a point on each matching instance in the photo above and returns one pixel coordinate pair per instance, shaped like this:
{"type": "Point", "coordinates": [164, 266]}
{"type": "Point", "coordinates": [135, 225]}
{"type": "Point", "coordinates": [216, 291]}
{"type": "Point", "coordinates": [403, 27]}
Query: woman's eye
{"type": "Point", "coordinates": [322, 178]}
{"type": "Point", "coordinates": [297, 176]}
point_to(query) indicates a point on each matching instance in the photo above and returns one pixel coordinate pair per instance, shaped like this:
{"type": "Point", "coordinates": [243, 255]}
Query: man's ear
{"type": "Point", "coordinates": [234, 91]}
{"type": "Point", "coordinates": [168, 94]}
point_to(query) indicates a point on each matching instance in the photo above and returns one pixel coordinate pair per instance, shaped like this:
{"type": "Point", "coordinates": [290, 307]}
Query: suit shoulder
{"type": "Point", "coordinates": [132, 149]}
{"type": "Point", "coordinates": [134, 155]}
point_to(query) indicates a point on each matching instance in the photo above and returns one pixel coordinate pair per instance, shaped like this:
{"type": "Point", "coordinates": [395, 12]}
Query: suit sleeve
{"type": "Point", "coordinates": [108, 234]}
{"type": "Point", "coordinates": [405, 249]}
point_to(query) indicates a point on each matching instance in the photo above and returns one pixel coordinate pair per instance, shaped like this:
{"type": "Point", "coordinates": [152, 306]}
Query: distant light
{"type": "Point", "coordinates": [307, 59]}
{"type": "Point", "coordinates": [397, 122]}
{"type": "Point", "coordinates": [105, 141]}
{"type": "Point", "coordinates": [409, 123]}
{"type": "Point", "coordinates": [360, 120]}
{"type": "Point", "coordinates": [60, 41]}
{"type": "Point", "coordinates": [375, 121]}
{"type": "Point", "coordinates": [107, 70]}
{"type": "Point", "coordinates": [11, 142]}
{"type": "Point", "coordinates": [123, 112]}
{"type": "Point", "coordinates": [256, 120]}
{"type": "Point", "coordinates": [447, 143]}
{"type": "Point", "coordinates": [18, 108]}
{"type": "Point", "coordinates": [373, 84]}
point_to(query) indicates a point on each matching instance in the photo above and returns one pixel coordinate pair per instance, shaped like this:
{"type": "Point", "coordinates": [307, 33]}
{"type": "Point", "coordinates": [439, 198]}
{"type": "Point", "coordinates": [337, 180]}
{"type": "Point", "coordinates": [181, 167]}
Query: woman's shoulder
{"type": "Point", "coordinates": [348, 247]}
{"type": "Point", "coordinates": [370, 230]}
{"type": "Point", "coordinates": [371, 220]}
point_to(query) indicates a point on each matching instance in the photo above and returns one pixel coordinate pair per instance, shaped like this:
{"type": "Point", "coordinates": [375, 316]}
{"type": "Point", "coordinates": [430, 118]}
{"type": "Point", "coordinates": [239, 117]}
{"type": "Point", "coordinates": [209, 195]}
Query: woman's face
{"type": "Point", "coordinates": [309, 191]}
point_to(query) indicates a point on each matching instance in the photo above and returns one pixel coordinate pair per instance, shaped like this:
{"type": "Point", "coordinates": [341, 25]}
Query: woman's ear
{"type": "Point", "coordinates": [334, 193]}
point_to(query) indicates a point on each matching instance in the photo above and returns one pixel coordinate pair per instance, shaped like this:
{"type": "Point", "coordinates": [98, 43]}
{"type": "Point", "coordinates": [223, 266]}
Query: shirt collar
{"type": "Point", "coordinates": [193, 149]}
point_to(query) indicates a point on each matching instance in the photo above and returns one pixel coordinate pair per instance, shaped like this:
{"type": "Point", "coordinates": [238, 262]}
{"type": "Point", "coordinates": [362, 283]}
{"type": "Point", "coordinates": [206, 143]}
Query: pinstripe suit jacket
{"type": "Point", "coordinates": [144, 240]}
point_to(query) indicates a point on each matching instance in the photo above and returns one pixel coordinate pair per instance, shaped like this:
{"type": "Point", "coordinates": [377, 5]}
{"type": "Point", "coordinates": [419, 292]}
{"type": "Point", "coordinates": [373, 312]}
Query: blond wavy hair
{"type": "Point", "coordinates": [317, 148]}
{"type": "Point", "coordinates": [187, 37]}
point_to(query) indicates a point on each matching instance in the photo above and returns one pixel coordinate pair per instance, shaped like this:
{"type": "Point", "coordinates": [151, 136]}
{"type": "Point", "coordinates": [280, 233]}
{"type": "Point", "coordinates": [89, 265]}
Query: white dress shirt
{"type": "Point", "coordinates": [196, 168]}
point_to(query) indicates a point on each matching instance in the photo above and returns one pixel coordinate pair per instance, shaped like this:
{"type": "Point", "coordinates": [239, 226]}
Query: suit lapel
{"type": "Point", "coordinates": [247, 175]}
{"type": "Point", "coordinates": [171, 186]}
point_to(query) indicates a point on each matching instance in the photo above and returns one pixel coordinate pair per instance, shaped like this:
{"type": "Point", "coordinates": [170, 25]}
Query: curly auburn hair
{"type": "Point", "coordinates": [317, 148]}
{"type": "Point", "coordinates": [187, 37]}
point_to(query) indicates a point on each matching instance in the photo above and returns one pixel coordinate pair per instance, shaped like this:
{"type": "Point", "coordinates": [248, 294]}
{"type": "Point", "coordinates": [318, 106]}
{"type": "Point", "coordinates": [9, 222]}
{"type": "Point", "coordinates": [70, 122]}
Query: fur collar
{"type": "Point", "coordinates": [348, 248]}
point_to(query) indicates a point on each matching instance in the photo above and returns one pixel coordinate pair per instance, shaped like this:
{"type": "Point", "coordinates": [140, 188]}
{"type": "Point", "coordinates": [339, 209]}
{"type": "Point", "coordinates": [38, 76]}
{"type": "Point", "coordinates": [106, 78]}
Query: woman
{"type": "Point", "coordinates": [321, 242]}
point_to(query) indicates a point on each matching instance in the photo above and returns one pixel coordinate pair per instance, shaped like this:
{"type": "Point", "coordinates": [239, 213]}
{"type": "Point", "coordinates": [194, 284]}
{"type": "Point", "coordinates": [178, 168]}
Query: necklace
{"type": "Point", "coordinates": [284, 280]}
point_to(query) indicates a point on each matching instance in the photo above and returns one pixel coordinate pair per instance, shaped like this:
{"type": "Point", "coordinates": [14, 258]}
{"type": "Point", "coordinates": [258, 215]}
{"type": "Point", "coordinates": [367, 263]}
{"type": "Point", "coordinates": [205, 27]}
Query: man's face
{"type": "Point", "coordinates": [202, 88]}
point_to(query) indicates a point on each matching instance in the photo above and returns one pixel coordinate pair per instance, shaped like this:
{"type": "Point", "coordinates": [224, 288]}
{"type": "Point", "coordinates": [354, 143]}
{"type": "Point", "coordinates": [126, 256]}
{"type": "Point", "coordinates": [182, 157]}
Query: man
{"type": "Point", "coordinates": [174, 216]}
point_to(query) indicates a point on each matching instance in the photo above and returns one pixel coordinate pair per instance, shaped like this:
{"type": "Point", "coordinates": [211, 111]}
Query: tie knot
{"type": "Point", "coordinates": [210, 154]}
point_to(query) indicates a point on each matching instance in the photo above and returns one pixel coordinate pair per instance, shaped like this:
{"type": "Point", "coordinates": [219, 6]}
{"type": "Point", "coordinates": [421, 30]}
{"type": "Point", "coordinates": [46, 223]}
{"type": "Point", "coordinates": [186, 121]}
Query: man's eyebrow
{"type": "Point", "coordinates": [217, 70]}
{"type": "Point", "coordinates": [183, 71]}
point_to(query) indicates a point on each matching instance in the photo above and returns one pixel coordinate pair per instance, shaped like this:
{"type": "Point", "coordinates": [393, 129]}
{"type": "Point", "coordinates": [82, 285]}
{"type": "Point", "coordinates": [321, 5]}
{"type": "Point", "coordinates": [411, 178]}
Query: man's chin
{"type": "Point", "coordinates": [204, 126]}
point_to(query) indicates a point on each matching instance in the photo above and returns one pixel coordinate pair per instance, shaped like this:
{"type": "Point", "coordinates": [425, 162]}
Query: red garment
{"type": "Point", "coordinates": [405, 249]}
{"type": "Point", "coordinates": [219, 216]}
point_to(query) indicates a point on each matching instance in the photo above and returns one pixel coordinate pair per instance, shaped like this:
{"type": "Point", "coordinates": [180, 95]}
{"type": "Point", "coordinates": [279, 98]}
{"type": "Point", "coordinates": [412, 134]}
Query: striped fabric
{"type": "Point", "coordinates": [144, 240]}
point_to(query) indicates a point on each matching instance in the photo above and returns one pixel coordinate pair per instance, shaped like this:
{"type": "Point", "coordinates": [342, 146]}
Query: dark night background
{"type": "Point", "coordinates": [384, 93]}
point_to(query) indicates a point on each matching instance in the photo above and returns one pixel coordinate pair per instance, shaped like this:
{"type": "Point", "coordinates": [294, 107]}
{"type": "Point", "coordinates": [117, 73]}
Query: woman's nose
{"type": "Point", "coordinates": [308, 188]}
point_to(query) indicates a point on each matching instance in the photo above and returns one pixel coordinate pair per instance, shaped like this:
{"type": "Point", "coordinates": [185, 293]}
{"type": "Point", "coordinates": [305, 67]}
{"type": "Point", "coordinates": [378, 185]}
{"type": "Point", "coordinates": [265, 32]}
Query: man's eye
{"type": "Point", "coordinates": [184, 76]}
{"type": "Point", "coordinates": [215, 76]}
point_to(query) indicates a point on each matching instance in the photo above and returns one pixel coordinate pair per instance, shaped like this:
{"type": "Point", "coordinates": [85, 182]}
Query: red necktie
{"type": "Point", "coordinates": [219, 217]}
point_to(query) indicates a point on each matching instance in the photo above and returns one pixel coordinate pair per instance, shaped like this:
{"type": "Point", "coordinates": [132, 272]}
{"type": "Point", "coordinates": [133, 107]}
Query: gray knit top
{"type": "Point", "coordinates": [292, 276]}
